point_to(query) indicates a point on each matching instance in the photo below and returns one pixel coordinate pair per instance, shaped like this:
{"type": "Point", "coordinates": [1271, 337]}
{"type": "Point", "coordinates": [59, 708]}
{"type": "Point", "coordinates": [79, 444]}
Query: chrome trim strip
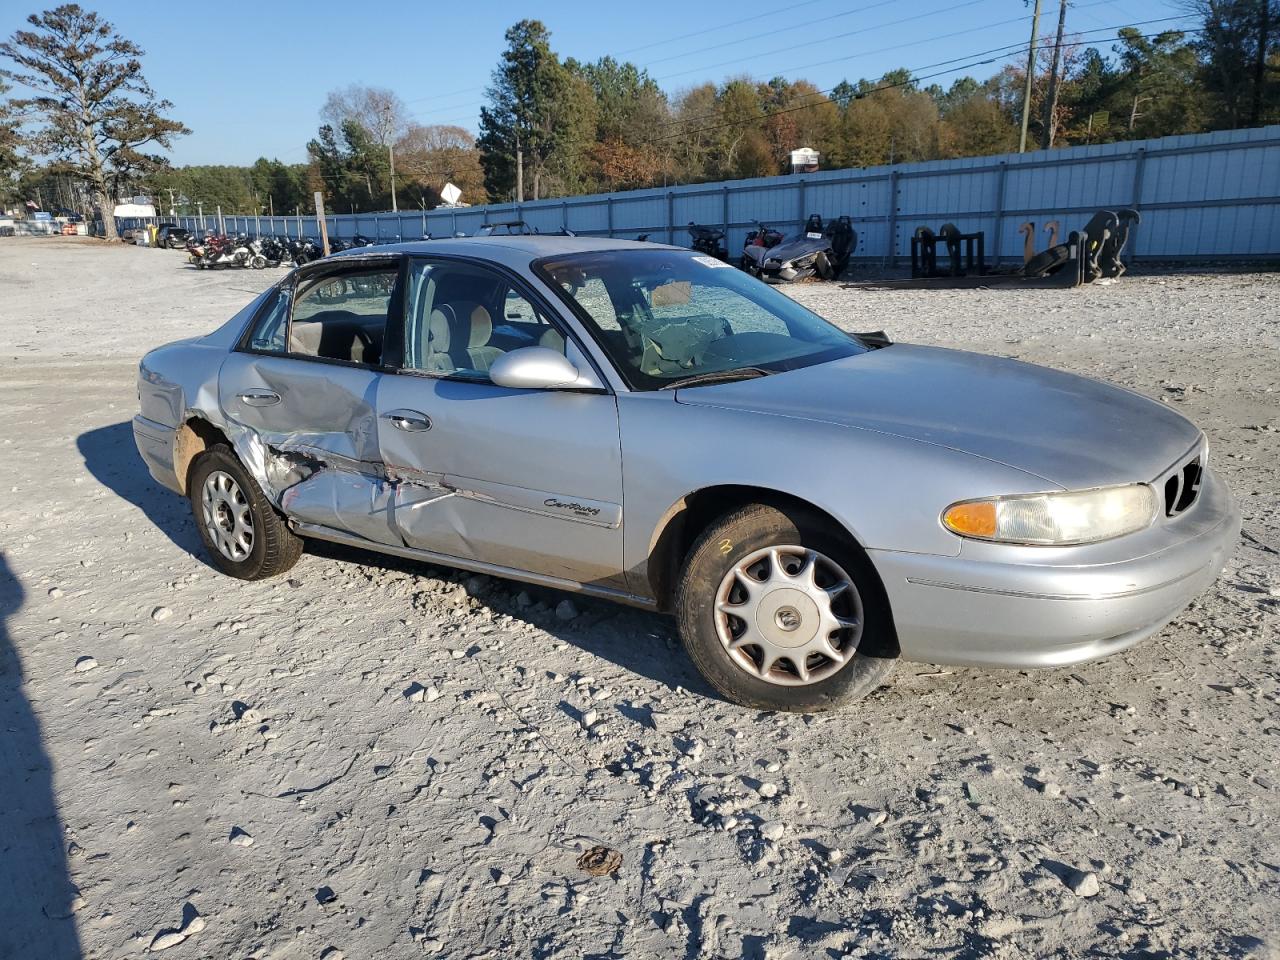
{"type": "Point", "coordinates": [474, 566]}
{"type": "Point", "coordinates": [1030, 595]}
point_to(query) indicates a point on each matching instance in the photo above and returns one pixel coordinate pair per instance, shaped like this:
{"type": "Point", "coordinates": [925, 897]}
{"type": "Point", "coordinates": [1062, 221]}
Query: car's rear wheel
{"type": "Point", "coordinates": [243, 535]}
{"type": "Point", "coordinates": [780, 612]}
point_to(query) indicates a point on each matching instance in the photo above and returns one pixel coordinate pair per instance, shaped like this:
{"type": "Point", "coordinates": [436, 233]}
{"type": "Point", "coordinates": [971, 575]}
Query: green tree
{"type": "Point", "coordinates": [1237, 44]}
{"type": "Point", "coordinates": [99, 111]}
{"type": "Point", "coordinates": [1157, 86]}
{"type": "Point", "coordinates": [11, 162]}
{"type": "Point", "coordinates": [534, 110]}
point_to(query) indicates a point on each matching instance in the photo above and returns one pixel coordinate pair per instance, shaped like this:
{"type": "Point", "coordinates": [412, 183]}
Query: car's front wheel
{"type": "Point", "coordinates": [243, 535]}
{"type": "Point", "coordinates": [780, 612]}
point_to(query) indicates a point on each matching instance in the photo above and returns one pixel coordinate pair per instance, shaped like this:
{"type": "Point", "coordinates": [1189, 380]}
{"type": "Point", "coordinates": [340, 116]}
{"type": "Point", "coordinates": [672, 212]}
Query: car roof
{"type": "Point", "coordinates": [510, 250]}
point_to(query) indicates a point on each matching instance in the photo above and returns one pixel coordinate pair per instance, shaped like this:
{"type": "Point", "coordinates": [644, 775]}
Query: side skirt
{"type": "Point", "coordinates": [475, 566]}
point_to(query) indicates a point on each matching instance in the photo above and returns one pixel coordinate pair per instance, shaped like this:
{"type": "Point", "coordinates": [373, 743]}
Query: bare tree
{"type": "Point", "coordinates": [98, 110]}
{"type": "Point", "coordinates": [381, 112]}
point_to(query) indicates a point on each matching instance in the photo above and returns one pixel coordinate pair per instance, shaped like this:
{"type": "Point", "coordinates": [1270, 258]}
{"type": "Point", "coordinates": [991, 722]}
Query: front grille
{"type": "Point", "coordinates": [1183, 487]}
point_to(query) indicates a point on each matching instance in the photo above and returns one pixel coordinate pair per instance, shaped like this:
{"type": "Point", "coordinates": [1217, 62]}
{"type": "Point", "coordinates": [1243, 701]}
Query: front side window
{"type": "Point", "coordinates": [665, 316]}
{"type": "Point", "coordinates": [343, 316]}
{"type": "Point", "coordinates": [461, 317]}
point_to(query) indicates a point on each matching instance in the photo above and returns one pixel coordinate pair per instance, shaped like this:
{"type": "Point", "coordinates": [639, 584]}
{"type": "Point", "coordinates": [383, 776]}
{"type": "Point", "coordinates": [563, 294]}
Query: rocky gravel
{"type": "Point", "coordinates": [373, 758]}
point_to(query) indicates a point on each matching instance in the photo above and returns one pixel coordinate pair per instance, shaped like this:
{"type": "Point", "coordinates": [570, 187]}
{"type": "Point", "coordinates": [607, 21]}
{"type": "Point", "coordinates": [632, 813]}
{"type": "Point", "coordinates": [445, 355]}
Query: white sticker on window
{"type": "Point", "coordinates": [813, 236]}
{"type": "Point", "coordinates": [711, 261]}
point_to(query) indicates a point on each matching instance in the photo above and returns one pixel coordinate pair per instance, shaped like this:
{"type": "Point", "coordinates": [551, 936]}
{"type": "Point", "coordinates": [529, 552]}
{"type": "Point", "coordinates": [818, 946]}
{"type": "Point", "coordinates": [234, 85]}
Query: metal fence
{"type": "Point", "coordinates": [1203, 196]}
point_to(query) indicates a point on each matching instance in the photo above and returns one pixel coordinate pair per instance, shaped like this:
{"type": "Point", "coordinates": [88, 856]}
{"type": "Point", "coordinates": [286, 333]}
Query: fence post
{"type": "Point", "coordinates": [725, 214]}
{"type": "Point", "coordinates": [564, 214]}
{"type": "Point", "coordinates": [801, 215]}
{"type": "Point", "coordinates": [671, 217]}
{"type": "Point", "coordinates": [608, 214]}
{"type": "Point", "coordinates": [1139, 162]}
{"type": "Point", "coordinates": [893, 218]}
{"type": "Point", "coordinates": [999, 211]}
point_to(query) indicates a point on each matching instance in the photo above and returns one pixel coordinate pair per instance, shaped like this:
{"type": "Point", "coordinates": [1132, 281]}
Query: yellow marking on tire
{"type": "Point", "coordinates": [726, 545]}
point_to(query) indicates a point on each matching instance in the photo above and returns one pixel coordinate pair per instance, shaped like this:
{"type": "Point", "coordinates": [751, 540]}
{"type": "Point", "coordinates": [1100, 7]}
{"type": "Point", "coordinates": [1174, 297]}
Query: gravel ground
{"type": "Point", "coordinates": [234, 770]}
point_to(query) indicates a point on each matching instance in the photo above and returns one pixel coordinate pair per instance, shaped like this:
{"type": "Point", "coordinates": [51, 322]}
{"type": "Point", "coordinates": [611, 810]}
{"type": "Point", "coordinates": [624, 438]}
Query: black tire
{"type": "Point", "coordinates": [1047, 262]}
{"type": "Point", "coordinates": [732, 539]}
{"type": "Point", "coordinates": [274, 547]}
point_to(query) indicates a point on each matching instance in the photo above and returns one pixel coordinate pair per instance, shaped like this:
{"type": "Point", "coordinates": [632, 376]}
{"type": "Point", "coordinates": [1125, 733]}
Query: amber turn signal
{"type": "Point", "coordinates": [974, 519]}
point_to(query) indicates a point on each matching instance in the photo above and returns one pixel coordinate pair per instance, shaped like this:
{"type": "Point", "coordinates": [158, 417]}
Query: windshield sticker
{"type": "Point", "coordinates": [711, 261]}
{"type": "Point", "coordinates": [813, 236]}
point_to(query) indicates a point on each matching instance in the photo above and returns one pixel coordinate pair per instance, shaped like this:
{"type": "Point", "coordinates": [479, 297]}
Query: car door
{"type": "Point", "coordinates": [303, 386]}
{"type": "Point", "coordinates": [524, 479]}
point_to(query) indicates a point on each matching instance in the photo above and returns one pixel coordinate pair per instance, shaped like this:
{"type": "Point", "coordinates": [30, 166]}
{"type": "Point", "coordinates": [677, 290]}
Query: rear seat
{"type": "Point", "coordinates": [337, 335]}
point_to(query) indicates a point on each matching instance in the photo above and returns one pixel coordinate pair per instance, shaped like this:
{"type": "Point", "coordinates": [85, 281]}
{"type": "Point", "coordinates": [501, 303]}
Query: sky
{"type": "Point", "coordinates": [251, 85]}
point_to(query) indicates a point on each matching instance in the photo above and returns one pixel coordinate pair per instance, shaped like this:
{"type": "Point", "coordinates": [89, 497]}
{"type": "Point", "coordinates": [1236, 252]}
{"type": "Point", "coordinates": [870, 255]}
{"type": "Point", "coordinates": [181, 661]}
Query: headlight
{"type": "Point", "coordinates": [803, 263]}
{"type": "Point", "coordinates": [1079, 516]}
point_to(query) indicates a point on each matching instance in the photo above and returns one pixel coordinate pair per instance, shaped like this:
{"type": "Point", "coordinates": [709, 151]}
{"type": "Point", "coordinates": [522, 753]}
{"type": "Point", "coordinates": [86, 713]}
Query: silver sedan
{"type": "Point", "coordinates": [644, 424]}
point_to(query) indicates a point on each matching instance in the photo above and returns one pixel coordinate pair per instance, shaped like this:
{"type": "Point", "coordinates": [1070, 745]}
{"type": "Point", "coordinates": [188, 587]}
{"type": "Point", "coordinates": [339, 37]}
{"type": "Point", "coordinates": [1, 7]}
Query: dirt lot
{"type": "Point", "coordinates": [238, 762]}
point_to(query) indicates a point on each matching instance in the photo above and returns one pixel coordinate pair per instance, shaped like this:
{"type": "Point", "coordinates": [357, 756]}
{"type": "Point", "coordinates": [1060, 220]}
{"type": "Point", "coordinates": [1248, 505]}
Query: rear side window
{"type": "Point", "coordinates": [343, 317]}
{"type": "Point", "coordinates": [273, 320]}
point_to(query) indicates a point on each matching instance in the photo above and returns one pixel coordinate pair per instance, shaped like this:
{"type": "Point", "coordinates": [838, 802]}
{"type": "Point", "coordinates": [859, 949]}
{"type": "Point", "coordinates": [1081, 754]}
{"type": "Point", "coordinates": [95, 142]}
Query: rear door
{"type": "Point", "coordinates": [304, 385]}
{"type": "Point", "coordinates": [524, 479]}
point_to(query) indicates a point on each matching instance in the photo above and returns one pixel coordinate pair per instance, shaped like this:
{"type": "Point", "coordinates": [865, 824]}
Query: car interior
{"type": "Point", "coordinates": [343, 317]}
{"type": "Point", "coordinates": [472, 317]}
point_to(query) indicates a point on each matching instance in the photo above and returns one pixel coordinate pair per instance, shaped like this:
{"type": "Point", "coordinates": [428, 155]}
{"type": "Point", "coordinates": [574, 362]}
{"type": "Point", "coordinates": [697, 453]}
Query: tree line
{"type": "Point", "coordinates": [91, 129]}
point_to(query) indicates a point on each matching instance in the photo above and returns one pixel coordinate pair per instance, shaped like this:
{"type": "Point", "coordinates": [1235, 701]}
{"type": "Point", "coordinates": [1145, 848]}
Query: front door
{"type": "Point", "coordinates": [524, 479]}
{"type": "Point", "coordinates": [305, 388]}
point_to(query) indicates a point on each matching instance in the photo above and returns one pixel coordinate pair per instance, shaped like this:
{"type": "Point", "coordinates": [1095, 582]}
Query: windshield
{"type": "Point", "coordinates": [665, 315]}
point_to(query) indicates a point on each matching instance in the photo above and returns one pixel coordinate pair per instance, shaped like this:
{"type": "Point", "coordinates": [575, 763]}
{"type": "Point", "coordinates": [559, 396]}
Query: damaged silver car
{"type": "Point", "coordinates": [646, 424]}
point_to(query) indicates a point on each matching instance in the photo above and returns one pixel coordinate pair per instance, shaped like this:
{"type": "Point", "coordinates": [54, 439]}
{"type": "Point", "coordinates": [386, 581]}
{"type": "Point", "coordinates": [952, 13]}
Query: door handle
{"type": "Point", "coordinates": [260, 398]}
{"type": "Point", "coordinates": [408, 420]}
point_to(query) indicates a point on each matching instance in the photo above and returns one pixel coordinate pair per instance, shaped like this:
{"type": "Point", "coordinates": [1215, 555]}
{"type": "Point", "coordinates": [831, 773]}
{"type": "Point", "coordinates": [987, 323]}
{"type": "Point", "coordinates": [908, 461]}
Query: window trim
{"type": "Point", "coordinates": [321, 268]}
{"type": "Point", "coordinates": [514, 281]}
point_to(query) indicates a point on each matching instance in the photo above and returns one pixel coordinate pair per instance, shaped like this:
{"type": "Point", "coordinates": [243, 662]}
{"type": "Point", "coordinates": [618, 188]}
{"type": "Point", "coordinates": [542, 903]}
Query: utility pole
{"type": "Point", "coordinates": [1031, 72]}
{"type": "Point", "coordinates": [391, 160]}
{"type": "Point", "coordinates": [519, 173]}
{"type": "Point", "coordinates": [1051, 98]}
{"type": "Point", "coordinates": [200, 206]}
{"type": "Point", "coordinates": [271, 206]}
{"type": "Point", "coordinates": [171, 213]}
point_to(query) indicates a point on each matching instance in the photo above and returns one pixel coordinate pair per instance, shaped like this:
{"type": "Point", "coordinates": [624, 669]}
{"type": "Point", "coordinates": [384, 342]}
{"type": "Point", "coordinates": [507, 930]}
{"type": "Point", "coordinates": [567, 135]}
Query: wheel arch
{"type": "Point", "coordinates": [195, 436]}
{"type": "Point", "coordinates": [687, 518]}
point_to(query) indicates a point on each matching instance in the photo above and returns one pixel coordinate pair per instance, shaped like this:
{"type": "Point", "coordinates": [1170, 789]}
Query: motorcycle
{"type": "Point", "coordinates": [274, 250]}
{"type": "Point", "coordinates": [223, 251]}
{"type": "Point", "coordinates": [709, 240]}
{"type": "Point", "coordinates": [759, 241]}
{"type": "Point", "coordinates": [817, 251]}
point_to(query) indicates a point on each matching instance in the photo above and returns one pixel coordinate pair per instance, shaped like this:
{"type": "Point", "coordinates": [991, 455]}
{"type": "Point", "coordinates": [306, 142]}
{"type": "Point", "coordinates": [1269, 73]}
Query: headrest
{"type": "Point", "coordinates": [552, 339]}
{"type": "Point", "coordinates": [438, 335]}
{"type": "Point", "coordinates": [481, 327]}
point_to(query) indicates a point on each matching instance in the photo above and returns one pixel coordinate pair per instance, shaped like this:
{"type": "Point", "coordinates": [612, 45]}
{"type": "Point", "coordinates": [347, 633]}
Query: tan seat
{"type": "Point", "coordinates": [458, 338]}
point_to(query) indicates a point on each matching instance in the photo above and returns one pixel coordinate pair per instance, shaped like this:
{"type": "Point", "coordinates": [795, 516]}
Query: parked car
{"type": "Point", "coordinates": [643, 423]}
{"type": "Point", "coordinates": [172, 237]}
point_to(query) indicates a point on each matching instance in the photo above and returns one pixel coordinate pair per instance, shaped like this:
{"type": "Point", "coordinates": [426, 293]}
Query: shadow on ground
{"type": "Point", "coordinates": [110, 455]}
{"type": "Point", "coordinates": [37, 898]}
{"type": "Point", "coordinates": [640, 642]}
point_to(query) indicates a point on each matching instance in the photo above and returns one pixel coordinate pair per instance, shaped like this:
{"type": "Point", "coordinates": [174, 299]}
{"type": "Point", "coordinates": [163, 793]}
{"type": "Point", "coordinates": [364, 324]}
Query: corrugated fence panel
{"type": "Point", "coordinates": [1205, 195]}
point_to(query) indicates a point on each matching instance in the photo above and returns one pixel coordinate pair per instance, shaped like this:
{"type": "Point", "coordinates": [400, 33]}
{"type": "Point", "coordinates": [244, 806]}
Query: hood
{"type": "Point", "coordinates": [1069, 430]}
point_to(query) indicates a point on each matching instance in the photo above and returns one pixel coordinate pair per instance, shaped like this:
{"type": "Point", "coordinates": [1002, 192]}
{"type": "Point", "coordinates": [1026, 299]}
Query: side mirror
{"type": "Point", "coordinates": [533, 368]}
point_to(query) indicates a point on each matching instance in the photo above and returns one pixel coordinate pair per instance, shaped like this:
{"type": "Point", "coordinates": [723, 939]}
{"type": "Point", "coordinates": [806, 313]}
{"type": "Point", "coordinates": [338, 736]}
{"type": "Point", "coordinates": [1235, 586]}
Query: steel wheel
{"type": "Point", "coordinates": [788, 615]}
{"type": "Point", "coordinates": [226, 516]}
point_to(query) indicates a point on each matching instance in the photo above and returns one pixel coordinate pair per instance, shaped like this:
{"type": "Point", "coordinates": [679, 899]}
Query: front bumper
{"type": "Point", "coordinates": [1023, 607]}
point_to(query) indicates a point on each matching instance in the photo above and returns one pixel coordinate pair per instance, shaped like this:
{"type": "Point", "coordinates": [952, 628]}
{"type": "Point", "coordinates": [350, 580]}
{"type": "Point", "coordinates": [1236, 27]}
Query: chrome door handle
{"type": "Point", "coordinates": [260, 398]}
{"type": "Point", "coordinates": [409, 420]}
